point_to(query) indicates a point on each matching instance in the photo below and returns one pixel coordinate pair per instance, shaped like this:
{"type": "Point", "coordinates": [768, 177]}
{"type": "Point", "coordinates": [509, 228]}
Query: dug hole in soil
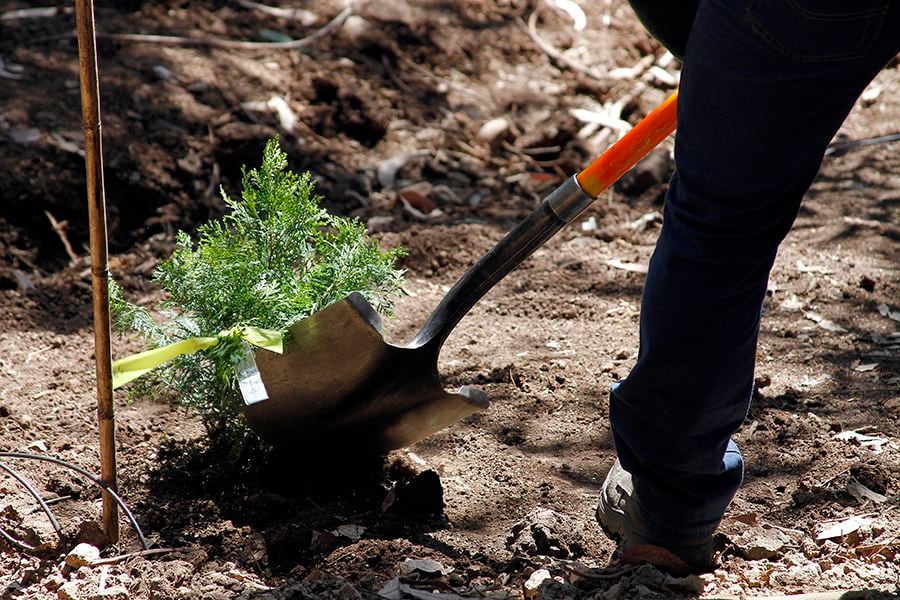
{"type": "Point", "coordinates": [441, 125]}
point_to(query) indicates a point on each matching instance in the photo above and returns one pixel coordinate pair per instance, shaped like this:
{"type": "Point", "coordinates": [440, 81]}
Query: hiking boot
{"type": "Point", "coordinates": [618, 516]}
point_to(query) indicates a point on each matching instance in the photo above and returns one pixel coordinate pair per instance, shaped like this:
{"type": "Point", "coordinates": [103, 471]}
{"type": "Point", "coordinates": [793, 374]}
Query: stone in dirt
{"type": "Point", "coordinates": [553, 589]}
{"type": "Point", "coordinates": [534, 582]}
{"type": "Point", "coordinates": [116, 592]}
{"type": "Point", "coordinates": [544, 532]}
{"type": "Point", "coordinates": [763, 542]}
{"type": "Point", "coordinates": [421, 495]}
{"type": "Point", "coordinates": [68, 591]}
{"type": "Point", "coordinates": [82, 555]}
{"type": "Point", "coordinates": [495, 132]}
{"type": "Point", "coordinates": [90, 532]}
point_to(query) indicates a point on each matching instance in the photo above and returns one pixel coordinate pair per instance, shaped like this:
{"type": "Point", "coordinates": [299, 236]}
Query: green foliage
{"type": "Point", "coordinates": [274, 259]}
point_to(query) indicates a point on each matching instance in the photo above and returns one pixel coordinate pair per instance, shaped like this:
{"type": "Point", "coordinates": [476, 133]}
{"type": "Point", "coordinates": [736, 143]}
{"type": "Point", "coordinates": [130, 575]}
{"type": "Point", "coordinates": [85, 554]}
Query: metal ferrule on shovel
{"type": "Point", "coordinates": [339, 385]}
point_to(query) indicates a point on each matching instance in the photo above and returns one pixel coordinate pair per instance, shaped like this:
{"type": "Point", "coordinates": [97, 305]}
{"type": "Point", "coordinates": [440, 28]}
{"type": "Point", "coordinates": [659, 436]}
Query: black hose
{"type": "Point", "coordinates": [106, 487]}
{"type": "Point", "coordinates": [842, 147]}
{"type": "Point", "coordinates": [37, 496]}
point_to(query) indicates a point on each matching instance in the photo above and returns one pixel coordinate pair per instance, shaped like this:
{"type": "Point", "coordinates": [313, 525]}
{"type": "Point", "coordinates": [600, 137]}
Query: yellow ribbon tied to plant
{"type": "Point", "coordinates": [131, 367]}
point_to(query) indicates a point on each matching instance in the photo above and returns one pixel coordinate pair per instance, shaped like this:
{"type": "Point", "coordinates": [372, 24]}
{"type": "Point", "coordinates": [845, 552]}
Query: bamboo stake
{"type": "Point", "coordinates": [93, 158]}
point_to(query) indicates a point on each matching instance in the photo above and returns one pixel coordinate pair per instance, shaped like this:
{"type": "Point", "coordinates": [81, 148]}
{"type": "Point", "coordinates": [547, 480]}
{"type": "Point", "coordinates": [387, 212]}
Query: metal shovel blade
{"type": "Point", "coordinates": [341, 384]}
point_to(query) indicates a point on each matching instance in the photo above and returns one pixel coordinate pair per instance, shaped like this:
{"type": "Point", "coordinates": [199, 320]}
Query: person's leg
{"type": "Point", "coordinates": [765, 86]}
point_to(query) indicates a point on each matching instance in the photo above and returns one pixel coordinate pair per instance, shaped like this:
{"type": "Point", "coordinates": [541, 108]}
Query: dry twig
{"type": "Point", "coordinates": [552, 52]}
{"type": "Point", "coordinates": [169, 40]}
{"type": "Point", "coordinates": [60, 228]}
{"type": "Point", "coordinates": [37, 12]}
{"type": "Point", "coordinates": [292, 14]}
{"type": "Point", "coordinates": [452, 85]}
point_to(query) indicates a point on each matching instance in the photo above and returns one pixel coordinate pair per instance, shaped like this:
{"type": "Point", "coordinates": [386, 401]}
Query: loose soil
{"type": "Point", "coordinates": [388, 112]}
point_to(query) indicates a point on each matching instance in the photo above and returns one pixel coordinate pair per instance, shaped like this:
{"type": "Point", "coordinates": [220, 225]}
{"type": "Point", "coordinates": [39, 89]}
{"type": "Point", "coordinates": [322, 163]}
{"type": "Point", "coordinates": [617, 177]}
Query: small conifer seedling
{"type": "Point", "coordinates": [275, 258]}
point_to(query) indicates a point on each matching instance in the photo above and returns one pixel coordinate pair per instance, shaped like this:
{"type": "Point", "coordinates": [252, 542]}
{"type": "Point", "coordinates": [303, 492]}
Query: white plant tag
{"type": "Point", "coordinates": [252, 388]}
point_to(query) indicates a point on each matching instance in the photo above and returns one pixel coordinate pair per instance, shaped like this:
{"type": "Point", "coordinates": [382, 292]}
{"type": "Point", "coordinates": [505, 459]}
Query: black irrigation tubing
{"type": "Point", "coordinates": [37, 496]}
{"type": "Point", "coordinates": [128, 514]}
{"type": "Point", "coordinates": [842, 147]}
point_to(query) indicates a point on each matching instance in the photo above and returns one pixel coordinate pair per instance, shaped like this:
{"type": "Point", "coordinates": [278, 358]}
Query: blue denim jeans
{"type": "Point", "coordinates": [765, 86]}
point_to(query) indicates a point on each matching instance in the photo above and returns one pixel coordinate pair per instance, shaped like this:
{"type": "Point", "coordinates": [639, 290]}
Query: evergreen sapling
{"type": "Point", "coordinates": [275, 258]}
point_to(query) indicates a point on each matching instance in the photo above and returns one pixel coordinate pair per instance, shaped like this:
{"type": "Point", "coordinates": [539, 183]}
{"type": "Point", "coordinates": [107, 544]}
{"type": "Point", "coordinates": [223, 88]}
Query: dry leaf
{"type": "Point", "coordinates": [643, 222]}
{"type": "Point", "coordinates": [417, 196]}
{"type": "Point", "coordinates": [815, 381]}
{"type": "Point", "coordinates": [885, 311]}
{"type": "Point", "coordinates": [823, 322]}
{"type": "Point", "coordinates": [286, 116]}
{"type": "Point", "coordinates": [876, 444]}
{"type": "Point", "coordinates": [395, 590]}
{"type": "Point", "coordinates": [746, 518]}
{"type": "Point", "coordinates": [387, 169]}
{"type": "Point", "coordinates": [39, 446]}
{"type": "Point", "coordinates": [424, 565]}
{"type": "Point", "coordinates": [792, 303]}
{"type": "Point", "coordinates": [632, 267]}
{"type": "Point", "coordinates": [863, 493]}
{"type": "Point", "coordinates": [841, 528]}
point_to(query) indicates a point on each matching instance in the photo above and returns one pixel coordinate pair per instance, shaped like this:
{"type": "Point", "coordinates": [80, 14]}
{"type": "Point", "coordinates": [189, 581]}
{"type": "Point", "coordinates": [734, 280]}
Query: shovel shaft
{"type": "Point", "coordinates": [561, 207]}
{"type": "Point", "coordinates": [633, 146]}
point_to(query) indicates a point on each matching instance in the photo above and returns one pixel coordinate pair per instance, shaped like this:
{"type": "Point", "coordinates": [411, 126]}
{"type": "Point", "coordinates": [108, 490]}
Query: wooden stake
{"type": "Point", "coordinates": [93, 158]}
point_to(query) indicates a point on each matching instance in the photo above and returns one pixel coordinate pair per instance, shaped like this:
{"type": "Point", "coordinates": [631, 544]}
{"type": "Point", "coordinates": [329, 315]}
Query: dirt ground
{"type": "Point", "coordinates": [389, 113]}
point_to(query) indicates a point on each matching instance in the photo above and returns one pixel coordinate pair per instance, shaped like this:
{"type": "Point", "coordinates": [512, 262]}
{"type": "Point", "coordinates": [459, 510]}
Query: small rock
{"type": "Point", "coordinates": [555, 589]}
{"type": "Point", "coordinates": [544, 532]}
{"type": "Point", "coordinates": [352, 532]}
{"type": "Point", "coordinates": [24, 135]}
{"type": "Point", "coordinates": [867, 283]}
{"type": "Point", "coordinates": [163, 73]}
{"type": "Point", "coordinates": [494, 132]}
{"type": "Point", "coordinates": [423, 494]}
{"type": "Point", "coordinates": [690, 585]}
{"type": "Point", "coordinates": [68, 591]}
{"type": "Point", "coordinates": [54, 582]}
{"type": "Point", "coordinates": [356, 29]}
{"type": "Point", "coordinates": [801, 575]}
{"type": "Point", "coordinates": [764, 542]}
{"type": "Point", "coordinates": [116, 592]}
{"type": "Point", "coordinates": [763, 381]}
{"type": "Point", "coordinates": [90, 532]}
{"type": "Point", "coordinates": [348, 592]}
{"type": "Point", "coordinates": [534, 582]}
{"type": "Point", "coordinates": [82, 555]}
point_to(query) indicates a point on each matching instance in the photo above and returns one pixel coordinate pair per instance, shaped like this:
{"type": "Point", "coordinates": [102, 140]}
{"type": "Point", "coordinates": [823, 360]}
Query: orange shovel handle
{"type": "Point", "coordinates": [633, 146]}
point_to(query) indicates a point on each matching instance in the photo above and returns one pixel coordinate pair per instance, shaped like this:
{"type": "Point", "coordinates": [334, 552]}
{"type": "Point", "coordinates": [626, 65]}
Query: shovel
{"type": "Point", "coordinates": [339, 387]}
